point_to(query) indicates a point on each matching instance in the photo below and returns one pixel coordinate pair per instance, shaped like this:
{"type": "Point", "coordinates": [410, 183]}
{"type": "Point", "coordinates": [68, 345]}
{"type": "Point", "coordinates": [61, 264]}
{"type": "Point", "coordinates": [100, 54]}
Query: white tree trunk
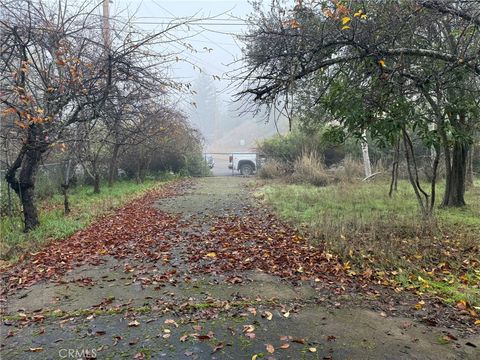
{"type": "Point", "coordinates": [433, 152]}
{"type": "Point", "coordinates": [366, 156]}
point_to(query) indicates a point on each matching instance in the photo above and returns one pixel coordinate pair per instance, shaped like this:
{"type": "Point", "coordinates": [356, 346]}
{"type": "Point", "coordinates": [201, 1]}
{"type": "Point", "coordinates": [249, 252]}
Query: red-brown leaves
{"type": "Point", "coordinates": [137, 230]}
{"type": "Point", "coordinates": [258, 242]}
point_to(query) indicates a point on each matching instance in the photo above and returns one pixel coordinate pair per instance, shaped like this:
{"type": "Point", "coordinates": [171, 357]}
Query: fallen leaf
{"type": "Point", "coordinates": [133, 323]}
{"type": "Point", "coordinates": [299, 341]}
{"type": "Point", "coordinates": [268, 315]}
{"type": "Point", "coordinates": [171, 322]}
{"type": "Point", "coordinates": [248, 328]}
{"type": "Point", "coordinates": [462, 305]}
{"type": "Point", "coordinates": [312, 349]}
{"type": "Point", "coordinates": [284, 346]}
{"type": "Point", "coordinates": [35, 349]}
{"type": "Point", "coordinates": [452, 337]}
{"type": "Point", "coordinates": [38, 318]}
{"type": "Point", "coordinates": [235, 280]}
{"type": "Point", "coordinates": [116, 339]}
{"type": "Point", "coordinates": [217, 347]}
{"type": "Point", "coordinates": [270, 349]}
{"type": "Point", "coordinates": [204, 337]}
{"type": "Point", "coordinates": [419, 305]}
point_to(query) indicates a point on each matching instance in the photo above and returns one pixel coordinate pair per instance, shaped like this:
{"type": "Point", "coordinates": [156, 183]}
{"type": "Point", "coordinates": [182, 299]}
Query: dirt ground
{"type": "Point", "coordinates": [139, 308]}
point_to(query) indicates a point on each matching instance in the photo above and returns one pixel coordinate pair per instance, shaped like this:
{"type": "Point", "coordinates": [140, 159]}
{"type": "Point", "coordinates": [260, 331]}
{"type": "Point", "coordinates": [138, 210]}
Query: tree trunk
{"type": "Point", "coordinates": [470, 176]}
{"type": "Point", "coordinates": [28, 161]}
{"type": "Point", "coordinates": [366, 157]}
{"type": "Point", "coordinates": [96, 183]}
{"type": "Point", "coordinates": [30, 213]}
{"type": "Point", "coordinates": [66, 203]}
{"type": "Point", "coordinates": [113, 171]}
{"type": "Point", "coordinates": [412, 169]}
{"type": "Point", "coordinates": [454, 195]}
{"type": "Point", "coordinates": [433, 181]}
{"type": "Point", "coordinates": [394, 179]}
{"type": "Point", "coordinates": [65, 186]}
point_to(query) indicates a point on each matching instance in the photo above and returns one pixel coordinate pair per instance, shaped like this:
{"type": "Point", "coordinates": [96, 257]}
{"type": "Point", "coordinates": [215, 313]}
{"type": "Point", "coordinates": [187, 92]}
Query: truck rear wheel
{"type": "Point", "coordinates": [246, 169]}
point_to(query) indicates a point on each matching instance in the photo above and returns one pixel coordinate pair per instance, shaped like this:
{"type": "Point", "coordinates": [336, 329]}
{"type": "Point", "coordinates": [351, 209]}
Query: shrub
{"type": "Point", "coordinates": [195, 165]}
{"type": "Point", "coordinates": [287, 149]}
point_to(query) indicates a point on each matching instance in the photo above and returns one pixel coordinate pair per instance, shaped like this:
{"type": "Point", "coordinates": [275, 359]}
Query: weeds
{"type": "Point", "coordinates": [378, 234]}
{"type": "Point", "coordinates": [309, 169]}
{"type": "Point", "coordinates": [273, 169]}
{"type": "Point", "coordinates": [350, 170]}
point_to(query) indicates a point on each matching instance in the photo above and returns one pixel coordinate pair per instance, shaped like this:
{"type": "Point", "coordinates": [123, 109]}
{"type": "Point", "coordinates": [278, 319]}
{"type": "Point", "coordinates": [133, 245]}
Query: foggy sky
{"type": "Point", "coordinates": [215, 43]}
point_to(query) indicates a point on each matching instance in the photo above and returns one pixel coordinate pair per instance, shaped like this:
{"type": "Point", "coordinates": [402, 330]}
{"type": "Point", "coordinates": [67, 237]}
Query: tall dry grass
{"type": "Point", "coordinates": [273, 169]}
{"type": "Point", "coordinates": [349, 171]}
{"type": "Point", "coordinates": [310, 169]}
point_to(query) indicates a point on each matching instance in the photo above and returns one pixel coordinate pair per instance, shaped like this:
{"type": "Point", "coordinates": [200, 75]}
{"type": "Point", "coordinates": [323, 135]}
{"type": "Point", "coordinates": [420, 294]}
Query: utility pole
{"type": "Point", "coordinates": [113, 169]}
{"type": "Point", "coordinates": [106, 24]}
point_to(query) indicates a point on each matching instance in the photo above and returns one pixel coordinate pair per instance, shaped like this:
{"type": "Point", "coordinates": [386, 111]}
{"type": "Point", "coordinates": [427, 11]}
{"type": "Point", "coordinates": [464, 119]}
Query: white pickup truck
{"type": "Point", "coordinates": [246, 163]}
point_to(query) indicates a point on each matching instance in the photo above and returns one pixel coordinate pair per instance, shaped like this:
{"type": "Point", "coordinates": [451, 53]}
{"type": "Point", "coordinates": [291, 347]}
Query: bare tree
{"type": "Point", "coordinates": [56, 73]}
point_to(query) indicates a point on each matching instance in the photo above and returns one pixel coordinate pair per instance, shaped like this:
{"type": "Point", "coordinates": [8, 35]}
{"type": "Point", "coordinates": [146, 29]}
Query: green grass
{"type": "Point", "coordinates": [361, 224]}
{"type": "Point", "coordinates": [363, 203]}
{"type": "Point", "coordinates": [85, 207]}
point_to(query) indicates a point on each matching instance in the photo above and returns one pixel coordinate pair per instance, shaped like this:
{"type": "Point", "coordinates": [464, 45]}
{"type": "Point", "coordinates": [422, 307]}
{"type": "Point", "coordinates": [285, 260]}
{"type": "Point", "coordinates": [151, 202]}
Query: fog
{"type": "Point", "coordinates": [209, 51]}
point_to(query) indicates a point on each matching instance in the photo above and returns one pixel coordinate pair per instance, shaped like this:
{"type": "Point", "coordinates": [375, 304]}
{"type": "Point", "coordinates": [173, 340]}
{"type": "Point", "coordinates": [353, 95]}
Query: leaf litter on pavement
{"type": "Point", "coordinates": [255, 240]}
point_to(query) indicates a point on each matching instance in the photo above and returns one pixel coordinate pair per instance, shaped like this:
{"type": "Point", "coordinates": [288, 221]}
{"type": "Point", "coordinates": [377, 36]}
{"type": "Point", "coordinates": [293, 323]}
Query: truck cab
{"type": "Point", "coordinates": [246, 163]}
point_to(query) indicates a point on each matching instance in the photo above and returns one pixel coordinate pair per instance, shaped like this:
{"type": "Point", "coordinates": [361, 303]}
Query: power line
{"type": "Point", "coordinates": [210, 40]}
{"type": "Point", "coordinates": [194, 19]}
{"type": "Point", "coordinates": [187, 24]}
